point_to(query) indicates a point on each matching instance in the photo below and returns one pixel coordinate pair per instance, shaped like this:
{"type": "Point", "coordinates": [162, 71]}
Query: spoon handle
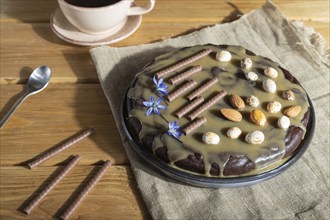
{"type": "Point", "coordinates": [13, 109]}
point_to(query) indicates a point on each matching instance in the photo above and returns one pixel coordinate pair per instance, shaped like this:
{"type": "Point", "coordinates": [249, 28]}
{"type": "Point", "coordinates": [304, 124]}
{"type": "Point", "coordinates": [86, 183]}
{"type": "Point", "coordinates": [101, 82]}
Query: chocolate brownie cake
{"type": "Point", "coordinates": [217, 111]}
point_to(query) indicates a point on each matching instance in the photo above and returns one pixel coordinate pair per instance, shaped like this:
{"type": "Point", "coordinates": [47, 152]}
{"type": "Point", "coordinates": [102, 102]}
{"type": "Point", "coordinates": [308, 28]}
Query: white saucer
{"type": "Point", "coordinates": [66, 31]}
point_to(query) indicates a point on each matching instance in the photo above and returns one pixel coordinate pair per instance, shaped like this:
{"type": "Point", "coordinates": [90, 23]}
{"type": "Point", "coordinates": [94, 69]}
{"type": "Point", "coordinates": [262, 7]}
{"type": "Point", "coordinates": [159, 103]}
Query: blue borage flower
{"type": "Point", "coordinates": [160, 85]}
{"type": "Point", "coordinates": [154, 106]}
{"type": "Point", "coordinates": [173, 130]}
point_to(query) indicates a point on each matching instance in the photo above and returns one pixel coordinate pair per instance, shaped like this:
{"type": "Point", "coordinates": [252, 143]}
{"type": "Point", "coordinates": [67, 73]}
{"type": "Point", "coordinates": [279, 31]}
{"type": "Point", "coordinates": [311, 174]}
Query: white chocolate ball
{"type": "Point", "coordinates": [271, 72]}
{"type": "Point", "coordinates": [288, 94]}
{"type": "Point", "coordinates": [223, 56]}
{"type": "Point", "coordinates": [283, 122]}
{"type": "Point", "coordinates": [234, 132]}
{"type": "Point", "coordinates": [246, 63]}
{"type": "Point", "coordinates": [274, 107]}
{"type": "Point", "coordinates": [211, 138]}
{"type": "Point", "coordinates": [269, 85]}
{"type": "Point", "coordinates": [255, 137]}
{"type": "Point", "coordinates": [252, 101]}
{"type": "Point", "coordinates": [252, 76]}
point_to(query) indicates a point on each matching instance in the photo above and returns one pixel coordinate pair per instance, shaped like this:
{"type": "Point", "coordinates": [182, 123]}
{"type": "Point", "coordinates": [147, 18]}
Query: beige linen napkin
{"type": "Point", "coordinates": [302, 192]}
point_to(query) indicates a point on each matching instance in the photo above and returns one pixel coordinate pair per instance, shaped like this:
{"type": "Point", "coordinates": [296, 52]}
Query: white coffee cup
{"type": "Point", "coordinates": [102, 20]}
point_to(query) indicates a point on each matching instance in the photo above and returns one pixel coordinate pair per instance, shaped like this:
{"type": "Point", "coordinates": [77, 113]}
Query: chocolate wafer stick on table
{"type": "Point", "coordinates": [61, 147]}
{"type": "Point", "coordinates": [86, 189]}
{"type": "Point", "coordinates": [183, 63]}
{"type": "Point", "coordinates": [51, 185]}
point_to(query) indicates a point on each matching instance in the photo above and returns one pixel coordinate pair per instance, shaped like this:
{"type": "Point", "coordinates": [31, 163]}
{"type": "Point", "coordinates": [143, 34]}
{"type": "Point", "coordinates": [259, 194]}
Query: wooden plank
{"type": "Point", "coordinates": [47, 118]}
{"type": "Point", "coordinates": [216, 10]}
{"type": "Point", "coordinates": [114, 197]}
{"type": "Point", "coordinates": [37, 45]}
{"type": "Point", "coordinates": [33, 11]}
{"type": "Point", "coordinates": [70, 64]}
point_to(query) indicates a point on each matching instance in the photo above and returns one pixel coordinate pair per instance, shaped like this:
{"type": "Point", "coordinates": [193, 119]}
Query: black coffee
{"type": "Point", "coordinates": [92, 3]}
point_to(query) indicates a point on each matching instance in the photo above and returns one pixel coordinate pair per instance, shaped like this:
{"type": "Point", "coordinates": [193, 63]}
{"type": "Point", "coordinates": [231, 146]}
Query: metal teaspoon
{"type": "Point", "coordinates": [37, 81]}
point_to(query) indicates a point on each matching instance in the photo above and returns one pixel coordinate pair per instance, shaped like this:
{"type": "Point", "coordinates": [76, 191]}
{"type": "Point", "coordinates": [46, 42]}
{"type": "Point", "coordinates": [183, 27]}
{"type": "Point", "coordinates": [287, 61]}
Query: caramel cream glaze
{"type": "Point", "coordinates": [263, 157]}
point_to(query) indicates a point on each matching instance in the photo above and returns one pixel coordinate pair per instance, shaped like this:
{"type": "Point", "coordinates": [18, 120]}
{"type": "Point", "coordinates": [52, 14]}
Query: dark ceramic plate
{"type": "Point", "coordinates": [211, 182]}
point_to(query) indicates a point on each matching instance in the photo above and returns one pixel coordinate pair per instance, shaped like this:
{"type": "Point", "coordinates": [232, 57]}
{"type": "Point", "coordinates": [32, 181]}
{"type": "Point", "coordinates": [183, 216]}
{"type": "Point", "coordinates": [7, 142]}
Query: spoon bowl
{"type": "Point", "coordinates": [37, 81]}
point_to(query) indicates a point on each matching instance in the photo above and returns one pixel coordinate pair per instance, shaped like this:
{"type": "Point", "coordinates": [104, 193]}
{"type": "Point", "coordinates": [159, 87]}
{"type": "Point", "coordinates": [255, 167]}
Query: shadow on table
{"type": "Point", "coordinates": [91, 108]}
{"type": "Point", "coordinates": [233, 16]}
{"type": "Point", "coordinates": [105, 130]}
{"type": "Point", "coordinates": [46, 33]}
{"type": "Point", "coordinates": [38, 12]}
{"type": "Point", "coordinates": [24, 75]}
{"type": "Point", "coordinates": [38, 17]}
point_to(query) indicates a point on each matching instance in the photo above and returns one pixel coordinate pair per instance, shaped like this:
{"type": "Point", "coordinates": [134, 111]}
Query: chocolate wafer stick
{"type": "Point", "coordinates": [207, 105]}
{"type": "Point", "coordinates": [60, 147]}
{"type": "Point", "coordinates": [194, 125]}
{"type": "Point", "coordinates": [203, 88]}
{"type": "Point", "coordinates": [189, 107]}
{"type": "Point", "coordinates": [183, 63]}
{"type": "Point", "coordinates": [86, 189]}
{"type": "Point", "coordinates": [182, 89]}
{"type": "Point", "coordinates": [185, 75]}
{"type": "Point", "coordinates": [51, 185]}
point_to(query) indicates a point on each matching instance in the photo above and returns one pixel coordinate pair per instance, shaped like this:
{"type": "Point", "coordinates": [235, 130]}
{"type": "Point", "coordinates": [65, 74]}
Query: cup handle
{"type": "Point", "coordinates": [135, 10]}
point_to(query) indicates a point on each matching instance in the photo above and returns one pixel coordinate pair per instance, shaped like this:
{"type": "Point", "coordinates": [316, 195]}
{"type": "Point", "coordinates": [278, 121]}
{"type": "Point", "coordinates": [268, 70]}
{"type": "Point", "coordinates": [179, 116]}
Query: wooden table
{"type": "Point", "coordinates": [74, 101]}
